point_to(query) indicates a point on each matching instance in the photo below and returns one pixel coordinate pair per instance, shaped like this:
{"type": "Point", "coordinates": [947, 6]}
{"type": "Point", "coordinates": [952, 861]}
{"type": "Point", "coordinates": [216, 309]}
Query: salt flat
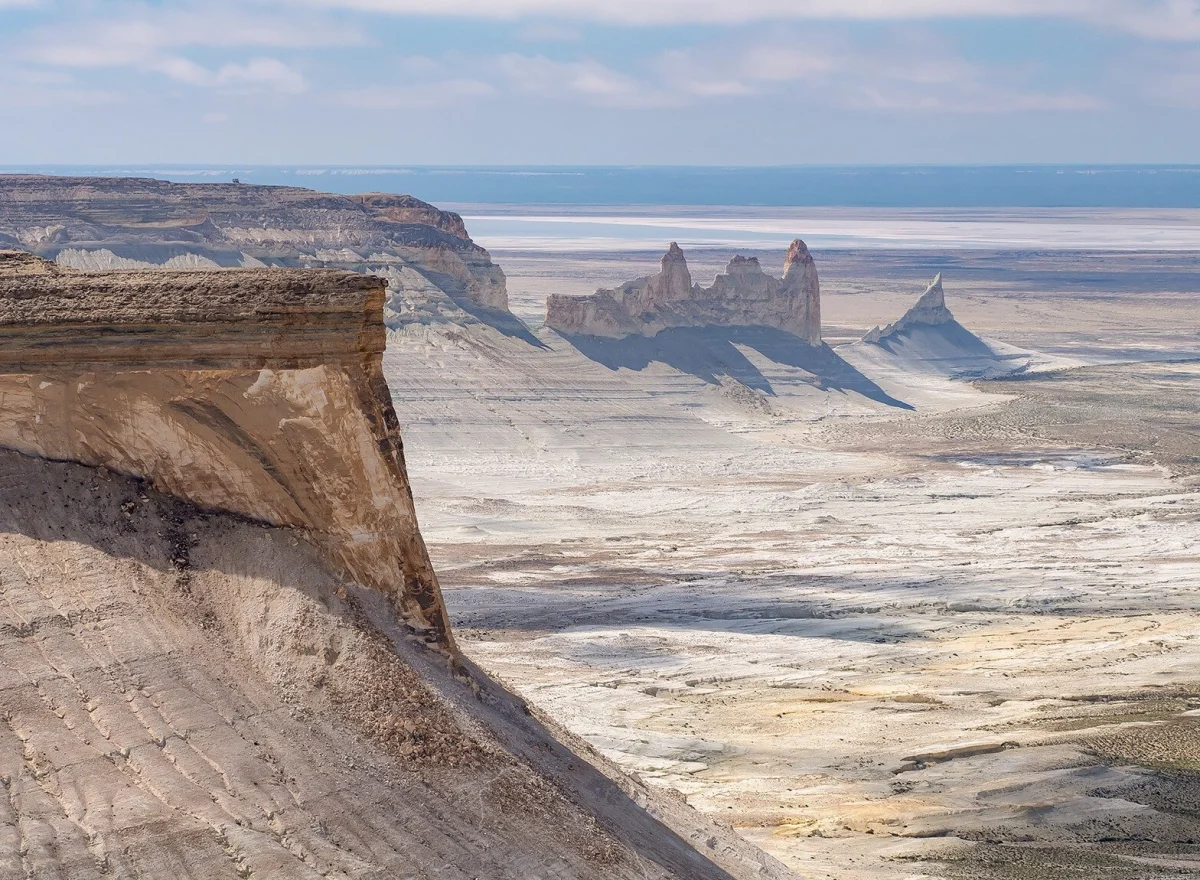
{"type": "Point", "coordinates": [887, 622]}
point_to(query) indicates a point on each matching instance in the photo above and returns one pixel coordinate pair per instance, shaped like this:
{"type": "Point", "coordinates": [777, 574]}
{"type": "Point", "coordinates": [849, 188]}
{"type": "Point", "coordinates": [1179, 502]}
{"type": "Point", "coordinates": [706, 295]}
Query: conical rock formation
{"type": "Point", "coordinates": [929, 310]}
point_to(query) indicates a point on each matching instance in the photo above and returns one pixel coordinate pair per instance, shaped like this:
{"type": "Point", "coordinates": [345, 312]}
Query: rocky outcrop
{"type": "Point", "coordinates": [214, 590]}
{"type": "Point", "coordinates": [743, 296]}
{"type": "Point", "coordinates": [409, 209]}
{"type": "Point", "coordinates": [432, 265]}
{"type": "Point", "coordinates": [930, 311]}
{"type": "Point", "coordinates": [258, 392]}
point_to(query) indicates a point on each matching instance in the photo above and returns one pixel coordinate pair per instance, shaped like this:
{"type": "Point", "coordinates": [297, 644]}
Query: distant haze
{"type": "Point", "coordinates": [1032, 186]}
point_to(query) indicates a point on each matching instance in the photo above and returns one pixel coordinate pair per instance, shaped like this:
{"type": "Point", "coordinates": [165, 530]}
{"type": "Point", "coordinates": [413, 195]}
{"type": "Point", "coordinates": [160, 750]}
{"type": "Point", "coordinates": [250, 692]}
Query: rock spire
{"type": "Point", "coordinates": [742, 296]}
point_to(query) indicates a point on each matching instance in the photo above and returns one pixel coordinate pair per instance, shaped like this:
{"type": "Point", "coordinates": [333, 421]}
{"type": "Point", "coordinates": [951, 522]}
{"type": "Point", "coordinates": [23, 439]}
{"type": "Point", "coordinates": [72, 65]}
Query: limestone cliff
{"type": "Point", "coordinates": [743, 296]}
{"type": "Point", "coordinates": [256, 391]}
{"type": "Point", "coordinates": [431, 264]}
{"type": "Point", "coordinates": [930, 310]}
{"type": "Point", "coordinates": [211, 577]}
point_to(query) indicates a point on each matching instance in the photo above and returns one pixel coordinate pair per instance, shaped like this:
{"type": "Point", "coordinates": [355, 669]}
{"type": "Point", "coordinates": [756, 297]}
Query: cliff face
{"type": "Point", "coordinates": [131, 223]}
{"type": "Point", "coordinates": [744, 296]}
{"type": "Point", "coordinates": [189, 693]}
{"type": "Point", "coordinates": [257, 392]}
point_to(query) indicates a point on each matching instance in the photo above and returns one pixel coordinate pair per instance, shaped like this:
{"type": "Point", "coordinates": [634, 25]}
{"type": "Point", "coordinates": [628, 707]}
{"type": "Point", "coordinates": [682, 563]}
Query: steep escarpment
{"type": "Point", "coordinates": [743, 296]}
{"type": "Point", "coordinates": [256, 391]}
{"type": "Point", "coordinates": [224, 650]}
{"type": "Point", "coordinates": [433, 267]}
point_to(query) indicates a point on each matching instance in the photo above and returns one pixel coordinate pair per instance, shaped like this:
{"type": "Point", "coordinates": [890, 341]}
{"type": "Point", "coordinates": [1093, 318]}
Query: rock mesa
{"type": "Point", "coordinates": [743, 296]}
{"type": "Point", "coordinates": [214, 596]}
{"type": "Point", "coordinates": [433, 268]}
{"type": "Point", "coordinates": [258, 392]}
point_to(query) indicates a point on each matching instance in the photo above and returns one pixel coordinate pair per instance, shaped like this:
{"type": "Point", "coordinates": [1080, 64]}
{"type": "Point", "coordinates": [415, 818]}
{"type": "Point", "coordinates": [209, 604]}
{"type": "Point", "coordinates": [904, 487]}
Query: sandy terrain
{"type": "Point", "coordinates": [889, 623]}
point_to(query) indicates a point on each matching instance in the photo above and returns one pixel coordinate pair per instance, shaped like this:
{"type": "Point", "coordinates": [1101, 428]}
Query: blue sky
{"type": "Point", "coordinates": [726, 82]}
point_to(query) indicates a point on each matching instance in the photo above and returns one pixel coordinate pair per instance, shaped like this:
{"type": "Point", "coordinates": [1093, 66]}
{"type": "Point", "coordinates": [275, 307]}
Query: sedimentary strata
{"type": "Point", "coordinates": [132, 223]}
{"type": "Point", "coordinates": [211, 579]}
{"type": "Point", "coordinates": [743, 296]}
{"type": "Point", "coordinates": [255, 391]}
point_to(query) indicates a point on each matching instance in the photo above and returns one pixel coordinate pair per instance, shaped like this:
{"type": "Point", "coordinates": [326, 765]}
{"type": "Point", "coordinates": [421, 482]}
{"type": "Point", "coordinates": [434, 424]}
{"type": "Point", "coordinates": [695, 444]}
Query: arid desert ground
{"type": "Point", "coordinates": [887, 619]}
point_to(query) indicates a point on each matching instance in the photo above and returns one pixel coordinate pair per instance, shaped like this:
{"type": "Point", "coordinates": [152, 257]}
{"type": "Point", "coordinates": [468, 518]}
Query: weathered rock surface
{"type": "Point", "coordinates": [255, 391]}
{"type": "Point", "coordinates": [744, 296]}
{"type": "Point", "coordinates": [206, 533]}
{"type": "Point", "coordinates": [432, 266]}
{"type": "Point", "coordinates": [930, 310]}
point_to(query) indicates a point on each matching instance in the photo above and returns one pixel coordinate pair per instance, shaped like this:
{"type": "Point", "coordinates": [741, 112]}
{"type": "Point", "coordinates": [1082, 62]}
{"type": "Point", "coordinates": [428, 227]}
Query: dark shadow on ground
{"type": "Point", "coordinates": [952, 337]}
{"type": "Point", "coordinates": [780, 607]}
{"type": "Point", "coordinates": [709, 353]}
{"type": "Point", "coordinates": [954, 349]}
{"type": "Point", "coordinates": [125, 518]}
{"type": "Point", "coordinates": [506, 322]}
{"type": "Point", "coordinates": [498, 319]}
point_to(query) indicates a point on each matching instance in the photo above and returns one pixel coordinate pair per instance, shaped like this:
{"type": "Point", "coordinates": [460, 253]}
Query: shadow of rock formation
{"type": "Point", "coordinates": [929, 334]}
{"type": "Point", "coordinates": [712, 353]}
{"type": "Point", "coordinates": [501, 320]}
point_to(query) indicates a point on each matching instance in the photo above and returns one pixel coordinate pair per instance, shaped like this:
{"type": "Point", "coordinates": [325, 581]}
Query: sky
{"type": "Point", "coordinates": [607, 82]}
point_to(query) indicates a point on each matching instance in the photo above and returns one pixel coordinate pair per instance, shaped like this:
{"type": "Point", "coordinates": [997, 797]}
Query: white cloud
{"type": "Point", "coordinates": [151, 40]}
{"type": "Point", "coordinates": [257, 74]}
{"type": "Point", "coordinates": [1166, 20]}
{"type": "Point", "coordinates": [913, 71]}
{"type": "Point", "coordinates": [588, 79]}
{"type": "Point", "coordinates": [422, 96]}
{"type": "Point", "coordinates": [141, 33]}
{"type": "Point", "coordinates": [267, 72]}
{"type": "Point", "coordinates": [702, 11]}
{"type": "Point", "coordinates": [1153, 19]}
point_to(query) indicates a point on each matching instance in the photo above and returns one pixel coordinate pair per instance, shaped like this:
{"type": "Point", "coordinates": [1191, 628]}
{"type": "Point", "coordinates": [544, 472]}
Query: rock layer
{"type": "Point", "coordinates": [189, 693]}
{"type": "Point", "coordinates": [743, 296]}
{"type": "Point", "coordinates": [134, 223]}
{"type": "Point", "coordinates": [257, 392]}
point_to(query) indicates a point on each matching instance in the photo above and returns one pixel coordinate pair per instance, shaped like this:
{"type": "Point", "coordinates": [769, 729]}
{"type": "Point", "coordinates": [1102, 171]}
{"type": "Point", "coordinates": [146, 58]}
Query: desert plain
{"type": "Point", "coordinates": [888, 613]}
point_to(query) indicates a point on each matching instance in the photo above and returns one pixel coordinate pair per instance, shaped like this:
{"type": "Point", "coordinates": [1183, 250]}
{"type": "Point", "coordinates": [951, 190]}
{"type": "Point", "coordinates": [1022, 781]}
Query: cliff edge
{"type": "Point", "coordinates": [259, 392]}
{"type": "Point", "coordinates": [435, 271]}
{"type": "Point", "coordinates": [224, 650]}
{"type": "Point", "coordinates": [743, 296]}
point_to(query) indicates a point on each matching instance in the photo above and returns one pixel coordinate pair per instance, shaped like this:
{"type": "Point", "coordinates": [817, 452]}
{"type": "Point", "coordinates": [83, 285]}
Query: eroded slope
{"type": "Point", "coordinates": [187, 695]}
{"type": "Point", "coordinates": [223, 651]}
